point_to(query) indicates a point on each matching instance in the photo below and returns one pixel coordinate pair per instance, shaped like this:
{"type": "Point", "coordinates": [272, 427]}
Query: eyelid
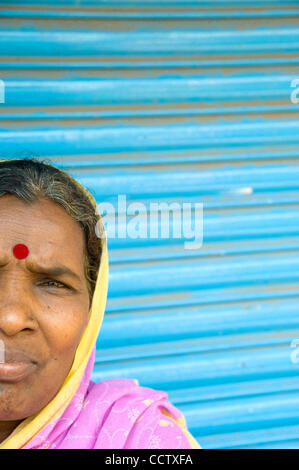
{"type": "Point", "coordinates": [58, 282]}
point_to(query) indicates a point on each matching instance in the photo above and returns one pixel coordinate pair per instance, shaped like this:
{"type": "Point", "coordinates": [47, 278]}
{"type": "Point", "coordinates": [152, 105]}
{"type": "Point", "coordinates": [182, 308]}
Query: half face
{"type": "Point", "coordinates": [44, 303]}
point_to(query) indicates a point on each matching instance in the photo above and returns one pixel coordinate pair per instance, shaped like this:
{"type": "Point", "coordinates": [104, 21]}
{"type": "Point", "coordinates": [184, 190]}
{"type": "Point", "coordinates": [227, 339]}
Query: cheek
{"type": "Point", "coordinates": [64, 327]}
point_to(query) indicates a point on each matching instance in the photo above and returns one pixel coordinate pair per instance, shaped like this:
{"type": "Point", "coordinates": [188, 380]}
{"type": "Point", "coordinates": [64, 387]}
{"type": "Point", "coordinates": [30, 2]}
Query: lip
{"type": "Point", "coordinates": [17, 366]}
{"type": "Point", "coordinates": [15, 371]}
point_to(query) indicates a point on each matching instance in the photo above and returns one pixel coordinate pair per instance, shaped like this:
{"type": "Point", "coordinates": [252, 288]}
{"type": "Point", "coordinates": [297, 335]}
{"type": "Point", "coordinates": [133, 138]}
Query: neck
{"type": "Point", "coordinates": [6, 428]}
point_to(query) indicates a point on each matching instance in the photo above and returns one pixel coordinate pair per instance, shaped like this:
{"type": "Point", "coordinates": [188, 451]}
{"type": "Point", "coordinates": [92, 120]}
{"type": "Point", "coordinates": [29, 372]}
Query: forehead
{"type": "Point", "coordinates": [44, 226]}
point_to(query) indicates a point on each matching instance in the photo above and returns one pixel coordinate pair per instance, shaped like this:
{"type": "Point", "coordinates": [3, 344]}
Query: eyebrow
{"type": "Point", "coordinates": [60, 270]}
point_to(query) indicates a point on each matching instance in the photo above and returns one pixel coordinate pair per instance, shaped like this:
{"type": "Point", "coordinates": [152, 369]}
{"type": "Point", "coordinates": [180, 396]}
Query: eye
{"type": "Point", "coordinates": [56, 284]}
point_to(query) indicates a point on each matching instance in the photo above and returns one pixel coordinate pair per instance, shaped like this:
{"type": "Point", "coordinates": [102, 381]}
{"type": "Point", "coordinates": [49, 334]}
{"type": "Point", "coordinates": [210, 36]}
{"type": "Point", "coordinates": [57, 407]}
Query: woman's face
{"type": "Point", "coordinates": [42, 314]}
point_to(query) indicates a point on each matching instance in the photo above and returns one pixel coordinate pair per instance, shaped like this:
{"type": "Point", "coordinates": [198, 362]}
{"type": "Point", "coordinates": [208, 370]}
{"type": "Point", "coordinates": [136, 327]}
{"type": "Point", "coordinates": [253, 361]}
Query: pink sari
{"type": "Point", "coordinates": [115, 414]}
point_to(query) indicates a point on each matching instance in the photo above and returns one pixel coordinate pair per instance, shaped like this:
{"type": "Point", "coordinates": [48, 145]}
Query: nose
{"type": "Point", "coordinates": [15, 308]}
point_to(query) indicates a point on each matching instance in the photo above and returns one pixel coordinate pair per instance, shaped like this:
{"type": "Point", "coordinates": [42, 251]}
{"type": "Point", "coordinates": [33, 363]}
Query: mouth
{"type": "Point", "coordinates": [16, 367]}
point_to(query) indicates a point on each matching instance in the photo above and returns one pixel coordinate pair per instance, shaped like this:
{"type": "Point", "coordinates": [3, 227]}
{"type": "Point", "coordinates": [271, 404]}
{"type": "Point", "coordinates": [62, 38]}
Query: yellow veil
{"type": "Point", "coordinates": [32, 425]}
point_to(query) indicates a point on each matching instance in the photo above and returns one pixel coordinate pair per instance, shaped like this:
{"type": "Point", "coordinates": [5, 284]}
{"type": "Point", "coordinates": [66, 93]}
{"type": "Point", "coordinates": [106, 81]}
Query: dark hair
{"type": "Point", "coordinates": [31, 179]}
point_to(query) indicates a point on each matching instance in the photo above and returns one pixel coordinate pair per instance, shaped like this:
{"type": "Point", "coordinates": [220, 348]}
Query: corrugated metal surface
{"type": "Point", "coordinates": [185, 101]}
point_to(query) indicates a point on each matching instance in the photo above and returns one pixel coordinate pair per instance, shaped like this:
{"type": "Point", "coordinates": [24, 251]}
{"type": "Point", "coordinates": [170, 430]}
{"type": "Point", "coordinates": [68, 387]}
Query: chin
{"type": "Point", "coordinates": [12, 409]}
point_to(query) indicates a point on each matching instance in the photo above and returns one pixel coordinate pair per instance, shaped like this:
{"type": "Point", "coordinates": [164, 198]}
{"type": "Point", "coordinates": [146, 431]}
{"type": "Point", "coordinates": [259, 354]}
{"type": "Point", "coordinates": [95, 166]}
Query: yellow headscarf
{"type": "Point", "coordinates": [32, 425]}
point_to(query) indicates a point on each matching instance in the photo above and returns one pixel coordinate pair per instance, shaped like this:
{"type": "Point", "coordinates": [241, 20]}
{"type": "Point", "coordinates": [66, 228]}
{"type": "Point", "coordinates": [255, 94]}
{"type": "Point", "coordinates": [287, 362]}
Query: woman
{"type": "Point", "coordinates": [53, 289]}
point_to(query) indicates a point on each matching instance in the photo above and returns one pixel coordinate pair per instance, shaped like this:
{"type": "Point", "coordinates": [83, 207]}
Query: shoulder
{"type": "Point", "coordinates": [137, 417]}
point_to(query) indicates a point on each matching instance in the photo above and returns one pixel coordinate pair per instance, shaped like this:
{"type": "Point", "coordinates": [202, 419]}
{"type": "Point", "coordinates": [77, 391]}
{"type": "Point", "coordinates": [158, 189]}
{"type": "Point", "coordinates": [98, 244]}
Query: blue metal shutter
{"type": "Point", "coordinates": [179, 101]}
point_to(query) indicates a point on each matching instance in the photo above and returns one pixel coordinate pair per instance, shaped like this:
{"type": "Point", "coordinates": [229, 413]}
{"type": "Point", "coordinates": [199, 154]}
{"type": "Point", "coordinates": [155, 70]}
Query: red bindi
{"type": "Point", "coordinates": [20, 251]}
